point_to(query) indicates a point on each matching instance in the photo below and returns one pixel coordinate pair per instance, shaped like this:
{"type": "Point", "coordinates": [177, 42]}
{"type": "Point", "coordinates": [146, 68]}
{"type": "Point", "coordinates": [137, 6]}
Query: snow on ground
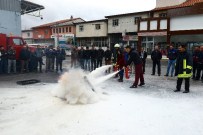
{"type": "Point", "coordinates": [153, 109]}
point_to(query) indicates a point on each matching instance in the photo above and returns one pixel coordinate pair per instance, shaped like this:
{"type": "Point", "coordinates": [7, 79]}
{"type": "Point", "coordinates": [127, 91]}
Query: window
{"type": "Point", "coordinates": [137, 19]}
{"type": "Point", "coordinates": [115, 22]}
{"type": "Point", "coordinates": [70, 29]}
{"type": "Point", "coordinates": [66, 29]}
{"type": "Point", "coordinates": [46, 32]}
{"type": "Point", "coordinates": [97, 26]}
{"type": "Point", "coordinates": [28, 34]}
{"type": "Point", "coordinates": [18, 41]}
{"type": "Point", "coordinates": [81, 28]}
{"type": "Point", "coordinates": [63, 29]}
{"type": "Point", "coordinates": [59, 30]}
{"type": "Point", "coordinates": [163, 15]}
{"type": "Point", "coordinates": [54, 30]}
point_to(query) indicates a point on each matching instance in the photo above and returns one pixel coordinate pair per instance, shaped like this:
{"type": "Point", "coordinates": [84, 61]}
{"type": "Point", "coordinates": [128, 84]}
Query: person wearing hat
{"type": "Point", "coordinates": [135, 58]}
{"type": "Point", "coordinates": [183, 69]}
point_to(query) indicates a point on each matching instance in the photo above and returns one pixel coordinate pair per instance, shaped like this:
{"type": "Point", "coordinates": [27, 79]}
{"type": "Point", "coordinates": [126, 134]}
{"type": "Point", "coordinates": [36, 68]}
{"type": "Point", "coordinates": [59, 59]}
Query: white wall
{"type": "Point", "coordinates": [10, 23]}
{"type": "Point", "coordinates": [164, 3]}
{"type": "Point", "coordinates": [90, 31]}
{"type": "Point", "coordinates": [191, 22]}
{"type": "Point", "coordinates": [126, 24]}
{"type": "Point", "coordinates": [25, 34]}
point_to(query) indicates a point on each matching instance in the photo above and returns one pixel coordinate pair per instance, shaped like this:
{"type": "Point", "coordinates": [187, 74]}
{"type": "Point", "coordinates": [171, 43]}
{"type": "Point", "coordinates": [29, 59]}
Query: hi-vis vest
{"type": "Point", "coordinates": [184, 74]}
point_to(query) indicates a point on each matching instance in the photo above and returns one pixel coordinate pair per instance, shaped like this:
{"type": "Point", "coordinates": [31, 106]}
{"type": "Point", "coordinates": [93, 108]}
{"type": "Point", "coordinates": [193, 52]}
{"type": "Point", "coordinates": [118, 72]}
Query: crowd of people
{"type": "Point", "coordinates": [180, 62]}
{"type": "Point", "coordinates": [31, 59]}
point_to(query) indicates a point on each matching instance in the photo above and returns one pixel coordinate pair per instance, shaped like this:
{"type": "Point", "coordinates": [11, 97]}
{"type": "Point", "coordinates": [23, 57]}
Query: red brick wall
{"type": "Point", "coordinates": [42, 33]}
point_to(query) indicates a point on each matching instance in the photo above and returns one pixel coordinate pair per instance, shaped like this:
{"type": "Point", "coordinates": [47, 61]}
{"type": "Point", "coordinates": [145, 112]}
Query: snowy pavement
{"type": "Point", "coordinates": [150, 110]}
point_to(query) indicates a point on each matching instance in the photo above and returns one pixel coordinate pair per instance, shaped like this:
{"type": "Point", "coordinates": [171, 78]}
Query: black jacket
{"type": "Point", "coordinates": [93, 54]}
{"type": "Point", "coordinates": [134, 57]}
{"type": "Point", "coordinates": [87, 54]}
{"type": "Point", "coordinates": [144, 57]}
{"type": "Point", "coordinates": [100, 54]}
{"type": "Point", "coordinates": [24, 54]}
{"type": "Point", "coordinates": [179, 62]}
{"type": "Point", "coordinates": [4, 54]}
{"type": "Point", "coordinates": [107, 55]}
{"type": "Point", "coordinates": [156, 55]}
{"type": "Point", "coordinates": [81, 54]}
{"type": "Point", "coordinates": [11, 54]}
{"type": "Point", "coordinates": [60, 54]}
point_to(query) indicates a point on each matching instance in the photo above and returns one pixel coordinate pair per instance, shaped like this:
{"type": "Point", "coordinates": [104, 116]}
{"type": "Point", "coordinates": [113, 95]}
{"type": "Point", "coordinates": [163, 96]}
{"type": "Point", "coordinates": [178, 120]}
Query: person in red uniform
{"type": "Point", "coordinates": [135, 58]}
{"type": "Point", "coordinates": [120, 63]}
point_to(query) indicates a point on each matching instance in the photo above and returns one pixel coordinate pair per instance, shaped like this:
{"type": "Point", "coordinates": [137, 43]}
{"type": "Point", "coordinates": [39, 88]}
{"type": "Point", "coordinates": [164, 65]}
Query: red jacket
{"type": "Point", "coordinates": [120, 61]}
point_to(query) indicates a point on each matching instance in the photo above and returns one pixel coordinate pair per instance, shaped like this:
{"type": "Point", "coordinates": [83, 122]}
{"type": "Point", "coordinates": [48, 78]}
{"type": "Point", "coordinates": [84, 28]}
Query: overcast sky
{"type": "Point", "coordinates": [85, 9]}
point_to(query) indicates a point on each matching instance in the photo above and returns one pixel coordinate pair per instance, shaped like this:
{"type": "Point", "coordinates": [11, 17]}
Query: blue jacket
{"type": "Point", "coordinates": [172, 54]}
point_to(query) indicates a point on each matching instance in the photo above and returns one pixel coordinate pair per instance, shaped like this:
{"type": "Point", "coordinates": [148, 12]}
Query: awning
{"type": "Point", "coordinates": [28, 7]}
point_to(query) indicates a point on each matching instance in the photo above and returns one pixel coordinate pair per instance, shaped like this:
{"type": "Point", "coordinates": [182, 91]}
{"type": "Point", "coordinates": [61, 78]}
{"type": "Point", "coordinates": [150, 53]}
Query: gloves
{"type": "Point", "coordinates": [188, 71]}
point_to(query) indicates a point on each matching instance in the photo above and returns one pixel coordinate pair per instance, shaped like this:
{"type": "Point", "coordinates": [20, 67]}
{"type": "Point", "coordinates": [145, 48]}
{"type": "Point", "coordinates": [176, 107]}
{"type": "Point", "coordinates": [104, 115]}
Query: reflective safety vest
{"type": "Point", "coordinates": [186, 68]}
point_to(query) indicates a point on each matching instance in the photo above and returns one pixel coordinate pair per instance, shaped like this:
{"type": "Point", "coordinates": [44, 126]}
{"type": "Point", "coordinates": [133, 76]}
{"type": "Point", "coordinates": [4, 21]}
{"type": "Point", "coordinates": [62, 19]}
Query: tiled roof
{"type": "Point", "coordinates": [57, 22]}
{"type": "Point", "coordinates": [187, 3]}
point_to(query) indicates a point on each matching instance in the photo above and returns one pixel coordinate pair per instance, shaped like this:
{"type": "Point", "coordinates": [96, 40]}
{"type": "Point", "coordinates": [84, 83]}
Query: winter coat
{"type": "Point", "coordinates": [4, 54]}
{"type": "Point", "coordinates": [11, 54]}
{"type": "Point", "coordinates": [134, 57]}
{"type": "Point", "coordinates": [107, 55]}
{"type": "Point", "coordinates": [50, 53]}
{"type": "Point", "coordinates": [200, 58]}
{"type": "Point", "coordinates": [74, 54]}
{"type": "Point", "coordinates": [183, 66]}
{"type": "Point", "coordinates": [81, 54]}
{"type": "Point", "coordinates": [24, 54]}
{"type": "Point", "coordinates": [143, 55]}
{"type": "Point", "coordinates": [39, 53]}
{"type": "Point", "coordinates": [100, 54]}
{"type": "Point", "coordinates": [93, 54]}
{"type": "Point", "coordinates": [87, 54]}
{"type": "Point", "coordinates": [195, 56]}
{"type": "Point", "coordinates": [172, 54]}
{"type": "Point", "coordinates": [120, 60]}
{"type": "Point", "coordinates": [60, 54]}
{"type": "Point", "coordinates": [156, 55]}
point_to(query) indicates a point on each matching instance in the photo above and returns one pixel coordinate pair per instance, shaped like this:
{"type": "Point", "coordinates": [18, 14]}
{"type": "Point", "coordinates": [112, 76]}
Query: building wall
{"type": "Point", "coordinates": [42, 33]}
{"type": "Point", "coordinates": [27, 34]}
{"type": "Point", "coordinates": [164, 3]}
{"type": "Point", "coordinates": [191, 22]}
{"type": "Point", "coordinates": [10, 23]}
{"type": "Point", "coordinates": [55, 30]}
{"type": "Point", "coordinates": [126, 24]}
{"type": "Point", "coordinates": [90, 30]}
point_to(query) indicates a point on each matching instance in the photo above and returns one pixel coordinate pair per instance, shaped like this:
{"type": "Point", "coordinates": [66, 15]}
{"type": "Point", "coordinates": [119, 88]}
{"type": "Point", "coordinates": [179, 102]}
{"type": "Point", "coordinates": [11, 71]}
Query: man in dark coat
{"type": "Point", "coordinates": [93, 56]}
{"type": "Point", "coordinates": [100, 55]}
{"type": "Point", "coordinates": [156, 57]}
{"type": "Point", "coordinates": [200, 64]}
{"type": "Point", "coordinates": [172, 55]}
{"type": "Point", "coordinates": [81, 57]}
{"type": "Point", "coordinates": [120, 64]}
{"type": "Point", "coordinates": [143, 56]}
{"type": "Point", "coordinates": [11, 59]}
{"type": "Point", "coordinates": [107, 57]}
{"type": "Point", "coordinates": [24, 58]}
{"type": "Point", "coordinates": [3, 60]}
{"type": "Point", "coordinates": [87, 56]}
{"type": "Point", "coordinates": [135, 58]}
{"type": "Point", "coordinates": [183, 69]}
{"type": "Point", "coordinates": [74, 56]}
{"type": "Point", "coordinates": [195, 57]}
{"type": "Point", "coordinates": [60, 56]}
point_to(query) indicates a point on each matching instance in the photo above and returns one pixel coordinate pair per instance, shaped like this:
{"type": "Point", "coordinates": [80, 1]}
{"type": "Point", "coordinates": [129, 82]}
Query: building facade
{"type": "Point", "coordinates": [180, 24]}
{"type": "Point", "coordinates": [55, 33]}
{"type": "Point", "coordinates": [92, 33]}
{"type": "Point", "coordinates": [165, 3]}
{"type": "Point", "coordinates": [27, 35]}
{"type": "Point", "coordinates": [123, 28]}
